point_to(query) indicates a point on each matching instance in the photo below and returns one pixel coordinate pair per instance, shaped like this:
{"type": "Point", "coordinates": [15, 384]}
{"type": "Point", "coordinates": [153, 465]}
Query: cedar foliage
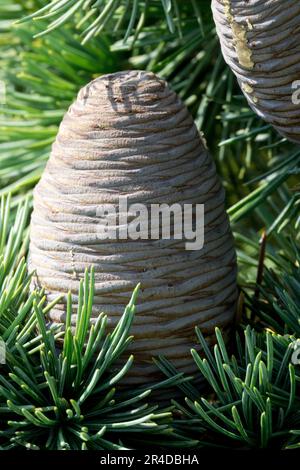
{"type": "Point", "coordinates": [61, 400]}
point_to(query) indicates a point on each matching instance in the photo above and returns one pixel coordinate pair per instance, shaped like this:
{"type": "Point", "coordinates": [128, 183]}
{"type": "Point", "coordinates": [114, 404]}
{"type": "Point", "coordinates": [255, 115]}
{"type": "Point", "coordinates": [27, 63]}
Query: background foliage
{"type": "Point", "coordinates": [44, 60]}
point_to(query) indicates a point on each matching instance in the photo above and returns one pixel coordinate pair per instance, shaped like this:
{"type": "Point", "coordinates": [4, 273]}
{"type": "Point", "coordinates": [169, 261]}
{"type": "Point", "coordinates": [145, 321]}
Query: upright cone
{"type": "Point", "coordinates": [128, 134]}
{"type": "Point", "coordinates": [260, 41]}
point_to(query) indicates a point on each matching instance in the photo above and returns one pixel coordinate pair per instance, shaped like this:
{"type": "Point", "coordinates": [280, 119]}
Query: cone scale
{"type": "Point", "coordinates": [129, 135]}
{"type": "Point", "coordinates": [260, 42]}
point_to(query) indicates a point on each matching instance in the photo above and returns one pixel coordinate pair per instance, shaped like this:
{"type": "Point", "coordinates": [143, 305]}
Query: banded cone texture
{"type": "Point", "coordinates": [128, 134]}
{"type": "Point", "coordinates": [260, 41]}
